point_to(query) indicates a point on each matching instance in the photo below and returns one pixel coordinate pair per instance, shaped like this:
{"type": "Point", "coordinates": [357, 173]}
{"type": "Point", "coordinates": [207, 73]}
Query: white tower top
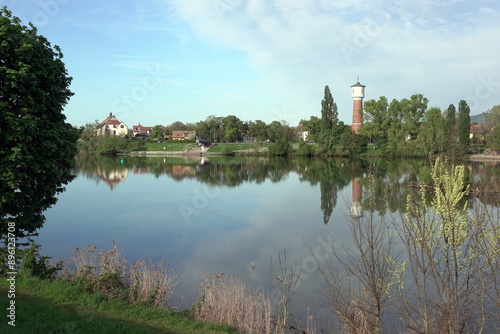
{"type": "Point", "coordinates": [358, 91]}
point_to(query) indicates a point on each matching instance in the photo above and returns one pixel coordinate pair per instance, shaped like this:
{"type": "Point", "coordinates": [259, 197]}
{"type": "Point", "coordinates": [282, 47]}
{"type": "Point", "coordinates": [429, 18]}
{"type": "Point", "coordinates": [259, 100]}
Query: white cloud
{"type": "Point", "coordinates": [406, 47]}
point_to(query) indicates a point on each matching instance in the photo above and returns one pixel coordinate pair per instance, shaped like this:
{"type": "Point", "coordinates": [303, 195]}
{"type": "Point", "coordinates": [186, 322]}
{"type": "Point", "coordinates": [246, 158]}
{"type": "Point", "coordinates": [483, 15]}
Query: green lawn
{"type": "Point", "coordinates": [173, 146]}
{"type": "Point", "coordinates": [241, 147]}
{"type": "Point", "coordinates": [61, 307]}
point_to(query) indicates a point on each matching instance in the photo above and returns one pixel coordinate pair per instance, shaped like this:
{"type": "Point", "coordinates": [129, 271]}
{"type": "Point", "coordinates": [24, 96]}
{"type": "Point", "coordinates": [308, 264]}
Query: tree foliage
{"type": "Point", "coordinates": [329, 117]}
{"type": "Point", "coordinates": [492, 117]}
{"type": "Point", "coordinates": [463, 125]}
{"type": "Point", "coordinates": [37, 146]}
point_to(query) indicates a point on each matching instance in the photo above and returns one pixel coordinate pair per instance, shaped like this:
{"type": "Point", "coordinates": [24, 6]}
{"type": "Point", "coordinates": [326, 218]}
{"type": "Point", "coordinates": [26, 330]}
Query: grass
{"type": "Point", "coordinates": [44, 306]}
{"type": "Point", "coordinates": [239, 147]}
{"type": "Point", "coordinates": [172, 146]}
{"type": "Point", "coordinates": [230, 301]}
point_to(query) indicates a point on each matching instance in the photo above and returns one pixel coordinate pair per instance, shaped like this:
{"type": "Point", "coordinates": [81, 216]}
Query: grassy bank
{"type": "Point", "coordinates": [44, 306]}
{"type": "Point", "coordinates": [171, 146]}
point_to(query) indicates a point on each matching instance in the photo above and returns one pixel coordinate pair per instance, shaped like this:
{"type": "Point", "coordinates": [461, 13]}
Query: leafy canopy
{"type": "Point", "coordinates": [37, 146]}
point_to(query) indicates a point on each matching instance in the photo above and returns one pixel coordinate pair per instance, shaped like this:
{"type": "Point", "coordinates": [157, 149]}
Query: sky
{"type": "Point", "coordinates": [160, 61]}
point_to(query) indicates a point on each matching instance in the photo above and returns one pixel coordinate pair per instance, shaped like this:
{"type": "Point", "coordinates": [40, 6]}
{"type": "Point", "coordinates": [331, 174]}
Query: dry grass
{"type": "Point", "coordinates": [108, 272]}
{"type": "Point", "coordinates": [230, 302]}
{"type": "Point", "coordinates": [151, 283]}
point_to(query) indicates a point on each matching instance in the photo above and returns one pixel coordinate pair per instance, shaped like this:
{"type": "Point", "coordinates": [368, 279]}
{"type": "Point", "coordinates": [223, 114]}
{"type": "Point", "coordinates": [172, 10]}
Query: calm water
{"type": "Point", "coordinates": [220, 215]}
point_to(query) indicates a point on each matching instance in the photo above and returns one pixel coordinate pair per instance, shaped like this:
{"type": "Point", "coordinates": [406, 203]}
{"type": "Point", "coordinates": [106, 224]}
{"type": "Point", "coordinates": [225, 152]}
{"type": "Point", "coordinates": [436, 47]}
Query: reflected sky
{"type": "Point", "coordinates": [226, 215]}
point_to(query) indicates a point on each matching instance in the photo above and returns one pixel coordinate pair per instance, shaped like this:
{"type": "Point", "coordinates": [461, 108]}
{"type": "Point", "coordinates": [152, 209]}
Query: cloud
{"type": "Point", "coordinates": [402, 47]}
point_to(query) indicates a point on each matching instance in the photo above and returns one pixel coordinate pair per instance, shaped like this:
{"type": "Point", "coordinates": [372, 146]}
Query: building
{"type": "Point", "coordinates": [358, 93]}
{"type": "Point", "coordinates": [183, 135]}
{"type": "Point", "coordinates": [144, 131]}
{"type": "Point", "coordinates": [112, 126]}
{"type": "Point", "coordinates": [139, 129]}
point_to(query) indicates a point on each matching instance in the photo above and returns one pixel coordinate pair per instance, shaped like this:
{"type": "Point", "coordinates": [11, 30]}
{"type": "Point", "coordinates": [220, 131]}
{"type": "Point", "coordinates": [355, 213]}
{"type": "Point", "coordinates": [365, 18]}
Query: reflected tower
{"type": "Point", "coordinates": [358, 93]}
{"type": "Point", "coordinates": [356, 207]}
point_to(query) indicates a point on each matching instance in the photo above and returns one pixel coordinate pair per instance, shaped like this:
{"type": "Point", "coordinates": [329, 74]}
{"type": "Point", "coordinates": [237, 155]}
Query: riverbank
{"type": "Point", "coordinates": [253, 149]}
{"type": "Point", "coordinates": [43, 306]}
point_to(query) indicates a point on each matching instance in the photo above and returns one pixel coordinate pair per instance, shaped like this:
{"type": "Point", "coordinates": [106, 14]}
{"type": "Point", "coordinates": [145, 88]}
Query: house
{"type": "Point", "coordinates": [183, 135]}
{"type": "Point", "coordinates": [478, 132]}
{"type": "Point", "coordinates": [112, 126]}
{"type": "Point", "coordinates": [141, 131]}
{"type": "Point", "coordinates": [301, 134]}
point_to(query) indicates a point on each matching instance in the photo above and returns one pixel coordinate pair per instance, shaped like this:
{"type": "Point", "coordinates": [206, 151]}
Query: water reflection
{"type": "Point", "coordinates": [252, 208]}
{"type": "Point", "coordinates": [394, 179]}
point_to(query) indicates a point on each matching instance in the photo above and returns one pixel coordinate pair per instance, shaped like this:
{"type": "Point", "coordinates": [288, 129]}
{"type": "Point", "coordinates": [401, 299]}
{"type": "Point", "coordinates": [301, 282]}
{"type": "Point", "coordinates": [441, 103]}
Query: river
{"type": "Point", "coordinates": [228, 215]}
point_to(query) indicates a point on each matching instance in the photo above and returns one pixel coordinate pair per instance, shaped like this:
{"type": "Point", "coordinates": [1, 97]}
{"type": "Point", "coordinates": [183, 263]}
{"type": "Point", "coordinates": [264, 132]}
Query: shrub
{"type": "Point", "coordinates": [226, 150]}
{"type": "Point", "coordinates": [281, 147]}
{"type": "Point", "coordinates": [305, 149]}
{"type": "Point", "coordinates": [34, 265]}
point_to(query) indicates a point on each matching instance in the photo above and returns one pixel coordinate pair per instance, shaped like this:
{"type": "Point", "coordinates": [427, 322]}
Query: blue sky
{"type": "Point", "coordinates": [161, 61]}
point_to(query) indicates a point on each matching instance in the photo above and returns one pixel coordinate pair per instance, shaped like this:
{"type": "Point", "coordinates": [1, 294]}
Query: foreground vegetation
{"type": "Point", "coordinates": [57, 306]}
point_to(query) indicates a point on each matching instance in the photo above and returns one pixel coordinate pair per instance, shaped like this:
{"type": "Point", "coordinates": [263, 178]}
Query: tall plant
{"type": "Point", "coordinates": [445, 261]}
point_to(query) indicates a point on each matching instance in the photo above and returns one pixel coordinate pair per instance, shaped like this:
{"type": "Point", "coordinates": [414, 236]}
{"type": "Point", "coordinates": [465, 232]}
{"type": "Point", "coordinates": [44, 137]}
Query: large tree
{"type": "Point", "coordinates": [376, 119]}
{"type": "Point", "coordinates": [329, 116]}
{"type": "Point", "coordinates": [413, 109]}
{"type": "Point", "coordinates": [492, 117]}
{"type": "Point", "coordinates": [463, 125]}
{"type": "Point", "coordinates": [37, 146]}
{"type": "Point", "coordinates": [451, 129]}
{"type": "Point", "coordinates": [433, 132]}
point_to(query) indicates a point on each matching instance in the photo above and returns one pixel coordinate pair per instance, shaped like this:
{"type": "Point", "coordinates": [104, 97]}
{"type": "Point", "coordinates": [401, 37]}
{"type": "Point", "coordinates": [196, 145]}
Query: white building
{"type": "Point", "coordinates": [112, 126]}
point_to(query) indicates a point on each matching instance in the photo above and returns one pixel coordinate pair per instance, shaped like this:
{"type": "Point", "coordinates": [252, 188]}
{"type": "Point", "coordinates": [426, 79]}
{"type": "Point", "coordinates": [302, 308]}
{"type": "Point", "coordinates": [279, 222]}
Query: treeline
{"type": "Point", "coordinates": [405, 127]}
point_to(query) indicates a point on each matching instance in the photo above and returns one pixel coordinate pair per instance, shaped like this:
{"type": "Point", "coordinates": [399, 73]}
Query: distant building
{"type": "Point", "coordinates": [112, 126]}
{"type": "Point", "coordinates": [301, 134]}
{"type": "Point", "coordinates": [183, 135]}
{"type": "Point", "coordinates": [139, 129]}
{"type": "Point", "coordinates": [358, 93]}
{"type": "Point", "coordinates": [478, 132]}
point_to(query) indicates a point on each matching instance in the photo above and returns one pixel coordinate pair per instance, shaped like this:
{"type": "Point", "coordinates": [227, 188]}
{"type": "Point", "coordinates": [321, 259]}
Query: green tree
{"type": "Point", "coordinates": [157, 133]}
{"type": "Point", "coordinates": [376, 120]}
{"type": "Point", "coordinates": [353, 143]}
{"type": "Point", "coordinates": [451, 129]}
{"type": "Point", "coordinates": [37, 146]}
{"type": "Point", "coordinates": [233, 129]}
{"type": "Point", "coordinates": [281, 147]}
{"type": "Point", "coordinates": [433, 134]}
{"type": "Point", "coordinates": [329, 117]}
{"type": "Point", "coordinates": [396, 134]}
{"type": "Point", "coordinates": [313, 126]}
{"type": "Point", "coordinates": [463, 125]}
{"type": "Point", "coordinates": [258, 130]}
{"type": "Point", "coordinates": [178, 126]}
{"type": "Point", "coordinates": [493, 139]}
{"type": "Point", "coordinates": [275, 131]}
{"type": "Point", "coordinates": [492, 117]}
{"type": "Point", "coordinates": [413, 110]}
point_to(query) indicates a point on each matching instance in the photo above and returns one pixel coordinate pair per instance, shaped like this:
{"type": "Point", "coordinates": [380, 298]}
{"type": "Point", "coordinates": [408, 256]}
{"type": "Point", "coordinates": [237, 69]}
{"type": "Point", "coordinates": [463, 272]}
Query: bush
{"type": "Point", "coordinates": [34, 265]}
{"type": "Point", "coordinates": [281, 147]}
{"type": "Point", "coordinates": [226, 150]}
{"type": "Point", "coordinates": [305, 149]}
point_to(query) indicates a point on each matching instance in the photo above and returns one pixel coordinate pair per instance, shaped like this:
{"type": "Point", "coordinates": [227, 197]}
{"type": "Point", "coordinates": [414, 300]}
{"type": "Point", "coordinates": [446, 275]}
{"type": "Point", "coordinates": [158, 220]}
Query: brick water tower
{"type": "Point", "coordinates": [358, 93]}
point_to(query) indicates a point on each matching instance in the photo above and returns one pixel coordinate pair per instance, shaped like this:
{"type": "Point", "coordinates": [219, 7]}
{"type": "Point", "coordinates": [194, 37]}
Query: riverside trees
{"type": "Point", "coordinates": [37, 146]}
{"type": "Point", "coordinates": [408, 127]}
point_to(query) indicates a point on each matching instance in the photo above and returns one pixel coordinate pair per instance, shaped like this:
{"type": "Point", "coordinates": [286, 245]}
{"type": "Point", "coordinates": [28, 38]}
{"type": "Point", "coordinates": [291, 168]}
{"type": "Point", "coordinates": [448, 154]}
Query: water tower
{"type": "Point", "coordinates": [358, 93]}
